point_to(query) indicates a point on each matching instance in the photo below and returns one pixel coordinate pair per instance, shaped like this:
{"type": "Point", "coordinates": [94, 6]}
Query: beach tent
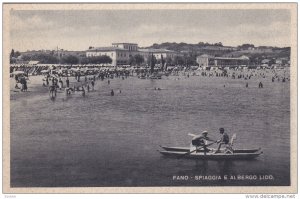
{"type": "Point", "coordinates": [33, 62]}
{"type": "Point", "coordinates": [45, 71]}
{"type": "Point", "coordinates": [18, 72]}
{"type": "Point", "coordinates": [74, 69]}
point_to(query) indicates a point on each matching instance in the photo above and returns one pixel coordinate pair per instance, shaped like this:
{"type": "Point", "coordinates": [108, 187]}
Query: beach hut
{"type": "Point", "coordinates": [33, 62]}
{"type": "Point", "coordinates": [45, 71]}
{"type": "Point", "coordinates": [18, 72]}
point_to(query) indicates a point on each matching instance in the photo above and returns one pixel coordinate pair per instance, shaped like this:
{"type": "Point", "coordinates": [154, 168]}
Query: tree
{"type": "Point", "coordinates": [17, 54]}
{"type": "Point", "coordinates": [163, 61]}
{"type": "Point", "coordinates": [178, 60]}
{"type": "Point", "coordinates": [139, 59]}
{"type": "Point", "coordinates": [26, 57]}
{"type": "Point", "coordinates": [69, 59]}
{"type": "Point", "coordinates": [218, 44]}
{"type": "Point", "coordinates": [246, 46]}
{"type": "Point", "coordinates": [12, 53]}
{"type": "Point", "coordinates": [131, 60]}
{"type": "Point", "coordinates": [149, 58]}
{"type": "Point", "coordinates": [152, 63]}
{"type": "Point", "coordinates": [169, 61]}
{"type": "Point", "coordinates": [12, 60]}
{"type": "Point", "coordinates": [43, 58]}
{"type": "Point", "coordinates": [84, 60]}
{"type": "Point", "coordinates": [136, 59]}
{"type": "Point", "coordinates": [104, 59]}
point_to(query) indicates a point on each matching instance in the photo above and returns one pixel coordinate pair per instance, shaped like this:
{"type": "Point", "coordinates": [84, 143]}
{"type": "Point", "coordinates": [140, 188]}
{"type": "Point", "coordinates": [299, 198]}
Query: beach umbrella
{"type": "Point", "coordinates": [54, 76]}
{"type": "Point", "coordinates": [74, 69]}
{"type": "Point", "coordinates": [52, 67]}
{"type": "Point", "coordinates": [18, 72]}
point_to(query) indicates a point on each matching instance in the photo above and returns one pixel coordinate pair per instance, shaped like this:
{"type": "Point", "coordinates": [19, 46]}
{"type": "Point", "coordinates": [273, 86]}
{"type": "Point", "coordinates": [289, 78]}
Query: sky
{"type": "Point", "coordinates": [77, 30]}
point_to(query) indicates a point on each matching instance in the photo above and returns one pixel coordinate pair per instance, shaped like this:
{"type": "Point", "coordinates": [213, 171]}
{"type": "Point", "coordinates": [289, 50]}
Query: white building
{"type": "Point", "coordinates": [211, 61]}
{"type": "Point", "coordinates": [120, 53]}
{"type": "Point", "coordinates": [160, 53]}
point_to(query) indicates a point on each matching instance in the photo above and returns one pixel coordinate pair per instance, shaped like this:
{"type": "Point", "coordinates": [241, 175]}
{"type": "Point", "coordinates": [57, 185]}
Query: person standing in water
{"type": "Point", "coordinates": [60, 84]}
{"type": "Point", "coordinates": [83, 91]}
{"type": "Point", "coordinates": [67, 82]}
{"type": "Point", "coordinates": [112, 93]}
{"type": "Point", "coordinates": [93, 84]}
{"type": "Point", "coordinates": [47, 80]}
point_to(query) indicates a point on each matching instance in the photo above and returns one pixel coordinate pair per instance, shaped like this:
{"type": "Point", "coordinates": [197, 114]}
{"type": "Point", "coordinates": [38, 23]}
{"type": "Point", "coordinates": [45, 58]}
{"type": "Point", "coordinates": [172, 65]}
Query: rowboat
{"type": "Point", "coordinates": [187, 149]}
{"type": "Point", "coordinates": [183, 152]}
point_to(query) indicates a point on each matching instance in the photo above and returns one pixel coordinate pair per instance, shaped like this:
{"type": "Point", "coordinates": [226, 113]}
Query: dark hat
{"type": "Point", "coordinates": [221, 129]}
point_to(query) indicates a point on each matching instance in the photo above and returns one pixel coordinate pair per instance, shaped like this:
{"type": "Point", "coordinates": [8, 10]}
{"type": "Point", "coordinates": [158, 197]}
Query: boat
{"type": "Point", "coordinates": [184, 152]}
{"type": "Point", "coordinates": [187, 149]}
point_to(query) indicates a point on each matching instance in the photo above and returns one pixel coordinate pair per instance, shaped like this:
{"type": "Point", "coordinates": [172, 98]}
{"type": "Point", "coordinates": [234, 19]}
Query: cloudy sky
{"type": "Point", "coordinates": [77, 30]}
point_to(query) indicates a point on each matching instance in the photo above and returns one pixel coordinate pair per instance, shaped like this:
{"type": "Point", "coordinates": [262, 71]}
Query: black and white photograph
{"type": "Point", "coordinates": [150, 96]}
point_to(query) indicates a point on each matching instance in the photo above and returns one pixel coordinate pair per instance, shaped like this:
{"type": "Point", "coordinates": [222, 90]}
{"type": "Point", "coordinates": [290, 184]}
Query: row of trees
{"type": "Point", "coordinates": [49, 58]}
{"type": "Point", "coordinates": [187, 60]}
{"type": "Point", "coordinates": [14, 55]}
{"type": "Point", "coordinates": [46, 58]}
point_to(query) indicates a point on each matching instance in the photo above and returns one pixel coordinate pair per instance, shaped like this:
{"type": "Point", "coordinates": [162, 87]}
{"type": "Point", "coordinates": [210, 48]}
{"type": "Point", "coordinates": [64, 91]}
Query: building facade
{"type": "Point", "coordinates": [120, 53]}
{"type": "Point", "coordinates": [209, 61]}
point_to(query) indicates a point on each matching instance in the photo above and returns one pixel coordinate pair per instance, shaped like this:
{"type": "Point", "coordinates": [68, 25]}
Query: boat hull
{"type": "Point", "coordinates": [183, 152]}
{"type": "Point", "coordinates": [212, 156]}
{"type": "Point", "coordinates": [187, 149]}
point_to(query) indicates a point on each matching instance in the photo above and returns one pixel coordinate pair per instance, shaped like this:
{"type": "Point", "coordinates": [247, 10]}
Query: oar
{"type": "Point", "coordinates": [232, 139]}
{"type": "Point", "coordinates": [190, 134]}
{"type": "Point", "coordinates": [199, 148]}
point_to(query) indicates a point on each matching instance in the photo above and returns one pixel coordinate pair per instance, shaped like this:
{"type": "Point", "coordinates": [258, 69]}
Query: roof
{"type": "Point", "coordinates": [225, 58]}
{"type": "Point", "coordinates": [206, 56]}
{"type": "Point", "coordinates": [151, 50]}
{"type": "Point", "coordinates": [105, 49]}
{"type": "Point", "coordinates": [124, 43]}
{"type": "Point", "coordinates": [232, 58]}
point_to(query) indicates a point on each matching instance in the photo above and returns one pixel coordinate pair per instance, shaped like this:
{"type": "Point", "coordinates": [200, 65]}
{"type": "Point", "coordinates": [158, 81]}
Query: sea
{"type": "Point", "coordinates": [113, 141]}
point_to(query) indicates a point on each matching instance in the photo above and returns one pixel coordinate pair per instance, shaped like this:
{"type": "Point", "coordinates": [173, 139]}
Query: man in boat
{"type": "Point", "coordinates": [224, 140]}
{"type": "Point", "coordinates": [200, 141]}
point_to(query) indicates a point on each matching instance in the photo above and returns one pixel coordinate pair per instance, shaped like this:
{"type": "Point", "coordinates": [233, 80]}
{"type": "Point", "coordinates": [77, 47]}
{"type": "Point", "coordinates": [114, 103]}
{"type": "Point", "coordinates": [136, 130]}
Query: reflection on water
{"type": "Point", "coordinates": [104, 140]}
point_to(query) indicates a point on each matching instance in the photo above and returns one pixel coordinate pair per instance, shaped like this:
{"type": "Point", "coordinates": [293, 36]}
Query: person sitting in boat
{"type": "Point", "coordinates": [224, 140]}
{"type": "Point", "coordinates": [200, 141]}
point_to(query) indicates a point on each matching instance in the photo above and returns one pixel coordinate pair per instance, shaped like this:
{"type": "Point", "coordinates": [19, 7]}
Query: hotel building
{"type": "Point", "coordinates": [209, 61]}
{"type": "Point", "coordinates": [120, 53]}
